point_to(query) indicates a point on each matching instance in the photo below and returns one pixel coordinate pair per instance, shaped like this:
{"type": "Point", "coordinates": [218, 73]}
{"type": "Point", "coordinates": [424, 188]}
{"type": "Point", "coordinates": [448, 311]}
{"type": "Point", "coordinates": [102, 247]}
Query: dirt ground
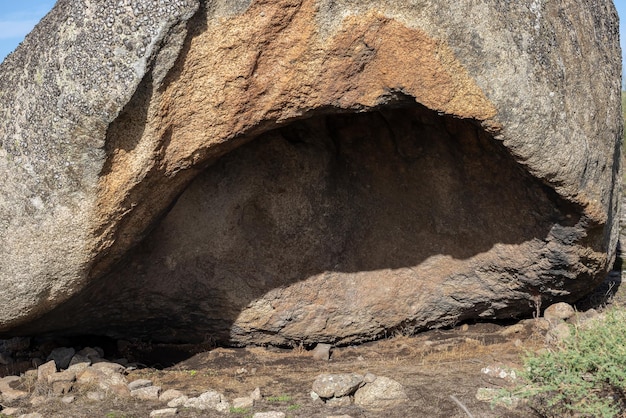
{"type": "Point", "coordinates": [431, 366]}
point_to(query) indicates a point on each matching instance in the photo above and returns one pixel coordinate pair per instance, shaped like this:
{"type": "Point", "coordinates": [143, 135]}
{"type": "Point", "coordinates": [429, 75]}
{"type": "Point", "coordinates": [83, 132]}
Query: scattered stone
{"type": "Point", "coordinates": [580, 318]}
{"type": "Point", "coordinates": [169, 395]}
{"type": "Point", "coordinates": [321, 352]}
{"type": "Point", "coordinates": [139, 383]}
{"type": "Point", "coordinates": [10, 395]}
{"type": "Point", "coordinates": [107, 365]}
{"type": "Point", "coordinates": [559, 311]}
{"type": "Point", "coordinates": [79, 361]}
{"type": "Point", "coordinates": [61, 388]}
{"type": "Point", "coordinates": [209, 400]}
{"type": "Point", "coordinates": [256, 394]}
{"type": "Point", "coordinates": [559, 333]}
{"type": "Point", "coordinates": [92, 354]}
{"type": "Point", "coordinates": [45, 370]}
{"type": "Point", "coordinates": [96, 395]}
{"type": "Point", "coordinates": [38, 400]}
{"type": "Point", "coordinates": [165, 412]}
{"type": "Point", "coordinates": [68, 399]}
{"type": "Point", "coordinates": [513, 329]}
{"type": "Point", "coordinates": [541, 324]}
{"type": "Point", "coordinates": [380, 394]}
{"type": "Point", "coordinates": [178, 402]}
{"type": "Point", "coordinates": [338, 402]}
{"type": "Point", "coordinates": [31, 374]}
{"type": "Point", "coordinates": [31, 415]}
{"type": "Point", "coordinates": [369, 377]}
{"type": "Point", "coordinates": [243, 403]}
{"type": "Point", "coordinates": [62, 356]}
{"type": "Point", "coordinates": [269, 414]}
{"type": "Point", "coordinates": [105, 378]}
{"type": "Point", "coordinates": [500, 372]}
{"type": "Point", "coordinates": [337, 385]}
{"type": "Point", "coordinates": [11, 411]}
{"type": "Point", "coordinates": [64, 376]}
{"type": "Point", "coordinates": [147, 393]}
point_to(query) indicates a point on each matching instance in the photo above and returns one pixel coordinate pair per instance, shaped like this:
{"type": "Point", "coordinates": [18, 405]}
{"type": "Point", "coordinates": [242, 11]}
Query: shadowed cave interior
{"type": "Point", "coordinates": [334, 195]}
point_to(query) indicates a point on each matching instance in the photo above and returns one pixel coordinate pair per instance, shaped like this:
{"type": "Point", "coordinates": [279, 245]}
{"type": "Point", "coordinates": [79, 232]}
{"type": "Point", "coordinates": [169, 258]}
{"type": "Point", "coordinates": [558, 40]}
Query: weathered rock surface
{"type": "Point", "coordinates": [297, 170]}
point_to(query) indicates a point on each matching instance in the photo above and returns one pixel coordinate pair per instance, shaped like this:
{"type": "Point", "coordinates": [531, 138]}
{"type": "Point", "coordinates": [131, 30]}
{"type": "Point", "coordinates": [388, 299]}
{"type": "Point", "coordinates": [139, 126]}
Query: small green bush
{"type": "Point", "coordinates": [585, 376]}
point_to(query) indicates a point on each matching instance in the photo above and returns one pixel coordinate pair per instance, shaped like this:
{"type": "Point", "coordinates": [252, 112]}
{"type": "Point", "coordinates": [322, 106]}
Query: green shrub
{"type": "Point", "coordinates": [584, 376]}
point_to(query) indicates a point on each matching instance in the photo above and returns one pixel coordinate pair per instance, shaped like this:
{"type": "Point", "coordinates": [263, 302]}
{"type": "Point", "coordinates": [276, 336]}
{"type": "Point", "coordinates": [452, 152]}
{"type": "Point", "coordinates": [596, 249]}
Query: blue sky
{"type": "Point", "coordinates": [17, 18]}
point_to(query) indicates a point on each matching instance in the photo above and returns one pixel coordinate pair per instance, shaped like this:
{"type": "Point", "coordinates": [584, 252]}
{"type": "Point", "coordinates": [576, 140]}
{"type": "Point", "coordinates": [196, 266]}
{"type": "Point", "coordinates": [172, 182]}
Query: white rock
{"type": "Point", "coordinates": [31, 415]}
{"type": "Point", "coordinates": [209, 400]}
{"type": "Point", "coordinates": [559, 311]}
{"type": "Point", "coordinates": [256, 394]}
{"type": "Point", "coordinates": [38, 400]}
{"type": "Point", "coordinates": [64, 376]}
{"type": "Point", "coordinates": [170, 394]}
{"type": "Point", "coordinates": [177, 402]}
{"type": "Point", "coordinates": [165, 412]}
{"type": "Point", "coordinates": [337, 385]}
{"type": "Point", "coordinates": [68, 399]}
{"type": "Point", "coordinates": [139, 383]}
{"type": "Point", "coordinates": [321, 352]}
{"type": "Point", "coordinates": [369, 377]}
{"type": "Point", "coordinates": [96, 396]}
{"type": "Point", "coordinates": [9, 412]}
{"type": "Point", "coordinates": [46, 370]}
{"type": "Point", "coordinates": [269, 414]}
{"type": "Point", "coordinates": [149, 393]}
{"type": "Point", "coordinates": [382, 393]}
{"type": "Point", "coordinates": [338, 402]}
{"type": "Point", "coordinates": [243, 403]}
{"type": "Point", "coordinates": [107, 365]}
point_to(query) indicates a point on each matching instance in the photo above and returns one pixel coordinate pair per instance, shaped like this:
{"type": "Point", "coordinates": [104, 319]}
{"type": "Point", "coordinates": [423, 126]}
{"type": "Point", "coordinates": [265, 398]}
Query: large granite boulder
{"type": "Point", "coordinates": [305, 170]}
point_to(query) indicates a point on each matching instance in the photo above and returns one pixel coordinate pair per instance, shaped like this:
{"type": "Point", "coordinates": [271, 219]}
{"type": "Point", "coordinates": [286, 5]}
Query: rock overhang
{"type": "Point", "coordinates": [248, 68]}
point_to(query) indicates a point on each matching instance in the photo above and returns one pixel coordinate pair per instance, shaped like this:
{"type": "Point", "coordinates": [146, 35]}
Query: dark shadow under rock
{"type": "Point", "coordinates": [338, 228]}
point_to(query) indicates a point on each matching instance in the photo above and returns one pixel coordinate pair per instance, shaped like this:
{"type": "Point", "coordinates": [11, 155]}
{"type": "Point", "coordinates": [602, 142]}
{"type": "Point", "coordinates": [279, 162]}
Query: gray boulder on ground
{"type": "Point", "coordinates": [307, 171]}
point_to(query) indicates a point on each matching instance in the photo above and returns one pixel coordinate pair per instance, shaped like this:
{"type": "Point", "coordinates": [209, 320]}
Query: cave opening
{"type": "Point", "coordinates": [373, 209]}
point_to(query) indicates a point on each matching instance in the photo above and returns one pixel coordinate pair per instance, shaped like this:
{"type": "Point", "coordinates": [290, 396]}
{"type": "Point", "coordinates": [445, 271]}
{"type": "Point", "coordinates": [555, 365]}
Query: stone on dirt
{"type": "Point", "coordinates": [46, 370]}
{"type": "Point", "coordinates": [321, 352]}
{"type": "Point", "coordinates": [327, 174]}
{"type": "Point", "coordinates": [243, 402]}
{"type": "Point", "coordinates": [139, 383]}
{"type": "Point", "coordinates": [7, 393]}
{"type": "Point", "coordinates": [170, 394]}
{"type": "Point", "coordinates": [380, 394]}
{"type": "Point", "coordinates": [178, 401]}
{"type": "Point", "coordinates": [209, 400]}
{"type": "Point", "coordinates": [165, 412]}
{"type": "Point", "coordinates": [559, 311]}
{"type": "Point", "coordinates": [328, 386]}
{"type": "Point", "coordinates": [146, 393]}
{"type": "Point", "coordinates": [269, 414]}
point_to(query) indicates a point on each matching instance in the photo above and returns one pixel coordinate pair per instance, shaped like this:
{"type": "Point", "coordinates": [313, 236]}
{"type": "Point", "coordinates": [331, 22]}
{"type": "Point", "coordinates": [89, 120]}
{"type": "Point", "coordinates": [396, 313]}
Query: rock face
{"type": "Point", "coordinates": [297, 170]}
